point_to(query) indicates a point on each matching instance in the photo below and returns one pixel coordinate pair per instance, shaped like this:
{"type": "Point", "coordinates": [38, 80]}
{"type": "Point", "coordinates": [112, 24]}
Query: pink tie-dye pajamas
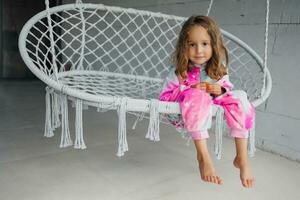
{"type": "Point", "coordinates": [196, 105]}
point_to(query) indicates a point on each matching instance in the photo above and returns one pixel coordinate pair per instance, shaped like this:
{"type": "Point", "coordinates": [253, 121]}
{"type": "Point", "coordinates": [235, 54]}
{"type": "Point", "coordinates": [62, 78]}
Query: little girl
{"type": "Point", "coordinates": [199, 81]}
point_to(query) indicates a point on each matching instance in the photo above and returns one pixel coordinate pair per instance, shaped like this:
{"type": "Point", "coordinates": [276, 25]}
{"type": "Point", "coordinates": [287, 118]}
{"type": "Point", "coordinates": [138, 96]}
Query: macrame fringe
{"type": "Point", "coordinates": [219, 132]}
{"type": "Point", "coordinates": [65, 131]}
{"type": "Point", "coordinates": [122, 140]}
{"type": "Point", "coordinates": [153, 128]}
{"type": "Point", "coordinates": [251, 146]}
{"type": "Point", "coordinates": [84, 106]}
{"type": "Point", "coordinates": [139, 118]}
{"type": "Point", "coordinates": [48, 124]}
{"type": "Point", "coordinates": [79, 142]}
{"type": "Point", "coordinates": [56, 110]}
{"type": "Point", "coordinates": [185, 135]}
{"type": "Point", "coordinates": [104, 107]}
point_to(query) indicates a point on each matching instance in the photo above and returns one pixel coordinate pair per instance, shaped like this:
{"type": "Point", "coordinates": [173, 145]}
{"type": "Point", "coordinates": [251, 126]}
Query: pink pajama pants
{"type": "Point", "coordinates": [196, 108]}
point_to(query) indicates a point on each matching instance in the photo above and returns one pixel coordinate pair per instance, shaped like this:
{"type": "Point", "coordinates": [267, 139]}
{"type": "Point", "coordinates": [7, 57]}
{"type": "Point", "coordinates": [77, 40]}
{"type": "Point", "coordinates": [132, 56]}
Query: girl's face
{"type": "Point", "coordinates": [199, 45]}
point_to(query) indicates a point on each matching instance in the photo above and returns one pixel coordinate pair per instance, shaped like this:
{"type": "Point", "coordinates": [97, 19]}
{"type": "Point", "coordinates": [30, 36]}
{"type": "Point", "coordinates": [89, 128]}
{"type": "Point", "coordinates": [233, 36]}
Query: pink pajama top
{"type": "Point", "coordinates": [196, 104]}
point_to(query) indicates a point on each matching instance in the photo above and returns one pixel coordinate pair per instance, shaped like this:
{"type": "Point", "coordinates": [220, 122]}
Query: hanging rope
{"type": "Point", "coordinates": [219, 132]}
{"type": "Point", "coordinates": [139, 118]}
{"type": "Point", "coordinates": [48, 124]}
{"type": "Point", "coordinates": [51, 40]}
{"type": "Point", "coordinates": [153, 128]}
{"type": "Point", "coordinates": [80, 65]}
{"type": "Point", "coordinates": [266, 46]}
{"type": "Point", "coordinates": [209, 7]}
{"type": "Point", "coordinates": [251, 144]}
{"type": "Point", "coordinates": [65, 131]}
{"type": "Point", "coordinates": [56, 111]}
{"type": "Point", "coordinates": [79, 142]}
{"type": "Point", "coordinates": [121, 104]}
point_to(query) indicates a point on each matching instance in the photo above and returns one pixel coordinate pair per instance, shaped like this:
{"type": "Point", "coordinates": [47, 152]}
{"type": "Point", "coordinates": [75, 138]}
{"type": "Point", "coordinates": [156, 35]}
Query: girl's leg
{"type": "Point", "coordinates": [241, 162]}
{"type": "Point", "coordinates": [206, 167]}
{"type": "Point", "coordinates": [239, 114]}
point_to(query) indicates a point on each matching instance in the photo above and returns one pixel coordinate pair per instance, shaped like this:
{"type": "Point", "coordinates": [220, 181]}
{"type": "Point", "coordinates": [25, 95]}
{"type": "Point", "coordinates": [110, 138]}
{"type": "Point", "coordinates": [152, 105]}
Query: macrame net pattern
{"type": "Point", "coordinates": [113, 85]}
{"type": "Point", "coordinates": [122, 42]}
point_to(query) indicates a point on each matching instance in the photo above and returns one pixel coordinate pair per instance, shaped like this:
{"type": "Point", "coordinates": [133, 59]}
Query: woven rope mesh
{"type": "Point", "coordinates": [114, 85]}
{"type": "Point", "coordinates": [125, 42]}
{"type": "Point", "coordinates": [114, 41]}
{"type": "Point", "coordinates": [244, 71]}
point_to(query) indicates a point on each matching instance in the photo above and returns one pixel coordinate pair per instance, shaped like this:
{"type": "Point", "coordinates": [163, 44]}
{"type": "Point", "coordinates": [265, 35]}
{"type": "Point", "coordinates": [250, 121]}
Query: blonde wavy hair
{"type": "Point", "coordinates": [216, 66]}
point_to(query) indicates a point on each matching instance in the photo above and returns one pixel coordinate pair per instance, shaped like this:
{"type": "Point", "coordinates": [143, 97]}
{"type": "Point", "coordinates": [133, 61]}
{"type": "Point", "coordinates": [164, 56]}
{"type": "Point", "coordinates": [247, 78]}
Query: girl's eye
{"type": "Point", "coordinates": [206, 44]}
{"type": "Point", "coordinates": [192, 45]}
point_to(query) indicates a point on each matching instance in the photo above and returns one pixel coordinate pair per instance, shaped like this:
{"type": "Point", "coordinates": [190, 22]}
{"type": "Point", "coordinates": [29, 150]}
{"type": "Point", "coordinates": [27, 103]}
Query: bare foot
{"type": "Point", "coordinates": [245, 173]}
{"type": "Point", "coordinates": [207, 171]}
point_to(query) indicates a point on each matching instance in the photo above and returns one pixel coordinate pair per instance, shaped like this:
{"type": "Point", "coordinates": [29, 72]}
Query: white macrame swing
{"type": "Point", "coordinates": [117, 58]}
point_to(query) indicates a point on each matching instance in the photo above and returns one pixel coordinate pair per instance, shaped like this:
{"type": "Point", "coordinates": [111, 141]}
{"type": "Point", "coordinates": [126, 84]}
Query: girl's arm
{"type": "Point", "coordinates": [220, 87]}
{"type": "Point", "coordinates": [171, 88]}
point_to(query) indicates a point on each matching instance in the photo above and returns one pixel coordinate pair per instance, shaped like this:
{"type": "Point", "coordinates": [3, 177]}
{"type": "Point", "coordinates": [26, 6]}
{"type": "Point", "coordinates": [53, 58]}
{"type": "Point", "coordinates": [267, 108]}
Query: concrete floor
{"type": "Point", "coordinates": [33, 167]}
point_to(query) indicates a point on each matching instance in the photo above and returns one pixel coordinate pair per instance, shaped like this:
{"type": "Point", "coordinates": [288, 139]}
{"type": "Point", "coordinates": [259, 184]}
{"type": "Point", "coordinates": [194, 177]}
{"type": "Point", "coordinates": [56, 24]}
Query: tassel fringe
{"type": "Point", "coordinates": [122, 140]}
{"type": "Point", "coordinates": [219, 132]}
{"type": "Point", "coordinates": [57, 104]}
{"type": "Point", "coordinates": [56, 110]}
{"type": "Point", "coordinates": [139, 118]}
{"type": "Point", "coordinates": [153, 128]}
{"type": "Point", "coordinates": [48, 124]}
{"type": "Point", "coordinates": [65, 131]}
{"type": "Point", "coordinates": [251, 146]}
{"type": "Point", "coordinates": [79, 142]}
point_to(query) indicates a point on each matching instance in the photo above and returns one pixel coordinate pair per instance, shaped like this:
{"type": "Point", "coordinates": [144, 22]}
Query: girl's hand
{"type": "Point", "coordinates": [201, 86]}
{"type": "Point", "coordinates": [214, 89]}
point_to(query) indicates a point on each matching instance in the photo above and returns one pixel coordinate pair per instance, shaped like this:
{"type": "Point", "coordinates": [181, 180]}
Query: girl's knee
{"type": "Point", "coordinates": [242, 96]}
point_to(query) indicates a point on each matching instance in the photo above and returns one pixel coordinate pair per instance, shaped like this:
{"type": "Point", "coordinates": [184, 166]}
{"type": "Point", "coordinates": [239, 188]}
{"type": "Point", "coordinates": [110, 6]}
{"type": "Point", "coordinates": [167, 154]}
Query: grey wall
{"type": "Point", "coordinates": [277, 126]}
{"type": "Point", "coordinates": [13, 16]}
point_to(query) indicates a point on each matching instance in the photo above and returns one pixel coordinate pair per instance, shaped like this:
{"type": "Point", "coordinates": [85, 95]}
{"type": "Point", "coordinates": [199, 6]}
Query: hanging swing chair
{"type": "Point", "coordinates": [114, 58]}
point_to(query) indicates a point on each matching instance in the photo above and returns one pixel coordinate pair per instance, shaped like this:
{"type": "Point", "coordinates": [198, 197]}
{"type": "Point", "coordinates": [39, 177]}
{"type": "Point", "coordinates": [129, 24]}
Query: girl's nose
{"type": "Point", "coordinates": [199, 49]}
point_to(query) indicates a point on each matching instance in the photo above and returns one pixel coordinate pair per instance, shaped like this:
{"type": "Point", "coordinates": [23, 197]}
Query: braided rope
{"type": "Point", "coordinates": [51, 39]}
{"type": "Point", "coordinates": [80, 66]}
{"type": "Point", "coordinates": [219, 132]}
{"type": "Point", "coordinates": [209, 7]}
{"type": "Point", "coordinates": [266, 45]}
{"type": "Point", "coordinates": [65, 140]}
{"type": "Point", "coordinates": [153, 128]}
{"type": "Point", "coordinates": [121, 103]}
{"type": "Point", "coordinates": [48, 123]}
{"type": "Point", "coordinates": [251, 139]}
{"type": "Point", "coordinates": [79, 142]}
